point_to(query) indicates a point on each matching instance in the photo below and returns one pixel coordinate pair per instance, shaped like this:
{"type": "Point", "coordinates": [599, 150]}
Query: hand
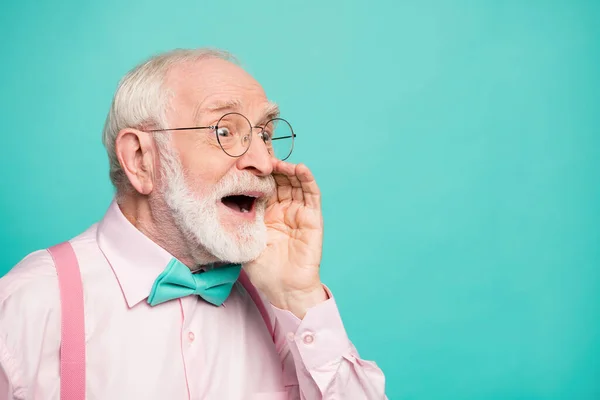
{"type": "Point", "coordinates": [287, 271]}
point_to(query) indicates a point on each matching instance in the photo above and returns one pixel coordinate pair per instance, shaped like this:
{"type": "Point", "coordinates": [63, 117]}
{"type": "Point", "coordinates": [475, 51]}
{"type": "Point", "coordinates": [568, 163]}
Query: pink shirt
{"type": "Point", "coordinates": [181, 349]}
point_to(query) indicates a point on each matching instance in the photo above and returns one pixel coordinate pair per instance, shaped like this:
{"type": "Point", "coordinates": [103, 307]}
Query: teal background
{"type": "Point", "coordinates": [456, 145]}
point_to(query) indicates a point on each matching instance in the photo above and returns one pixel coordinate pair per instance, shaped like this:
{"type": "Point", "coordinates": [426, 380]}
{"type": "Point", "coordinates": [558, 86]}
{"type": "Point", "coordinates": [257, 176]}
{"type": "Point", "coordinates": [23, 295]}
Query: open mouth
{"type": "Point", "coordinates": [240, 202]}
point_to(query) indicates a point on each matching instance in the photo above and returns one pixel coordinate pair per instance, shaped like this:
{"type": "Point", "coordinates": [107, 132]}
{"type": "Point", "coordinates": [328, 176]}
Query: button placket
{"type": "Point", "coordinates": [183, 349]}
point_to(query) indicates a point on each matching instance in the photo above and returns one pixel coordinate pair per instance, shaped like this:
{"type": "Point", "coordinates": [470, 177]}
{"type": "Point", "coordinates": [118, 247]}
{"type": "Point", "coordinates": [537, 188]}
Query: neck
{"type": "Point", "coordinates": [152, 217]}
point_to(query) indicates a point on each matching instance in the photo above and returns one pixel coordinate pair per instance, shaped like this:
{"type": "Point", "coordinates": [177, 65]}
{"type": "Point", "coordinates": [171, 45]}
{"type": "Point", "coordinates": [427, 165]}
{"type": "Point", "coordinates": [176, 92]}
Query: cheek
{"type": "Point", "coordinates": [203, 172]}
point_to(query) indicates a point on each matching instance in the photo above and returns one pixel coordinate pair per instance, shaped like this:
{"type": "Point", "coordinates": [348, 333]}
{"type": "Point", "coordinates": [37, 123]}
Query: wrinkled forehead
{"type": "Point", "coordinates": [257, 111]}
{"type": "Point", "coordinates": [207, 89]}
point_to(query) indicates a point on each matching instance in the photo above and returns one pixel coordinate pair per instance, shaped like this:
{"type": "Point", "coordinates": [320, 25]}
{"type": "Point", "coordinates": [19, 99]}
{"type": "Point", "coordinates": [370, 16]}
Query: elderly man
{"type": "Point", "coordinates": [204, 199]}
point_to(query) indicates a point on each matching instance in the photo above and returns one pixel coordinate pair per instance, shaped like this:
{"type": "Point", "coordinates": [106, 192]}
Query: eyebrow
{"type": "Point", "coordinates": [225, 105]}
{"type": "Point", "coordinates": [271, 109]}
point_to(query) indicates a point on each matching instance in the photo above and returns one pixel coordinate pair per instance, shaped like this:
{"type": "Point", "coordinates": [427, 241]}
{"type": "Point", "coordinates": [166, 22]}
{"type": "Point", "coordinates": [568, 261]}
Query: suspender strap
{"type": "Point", "coordinates": [72, 346]}
{"type": "Point", "coordinates": [245, 281]}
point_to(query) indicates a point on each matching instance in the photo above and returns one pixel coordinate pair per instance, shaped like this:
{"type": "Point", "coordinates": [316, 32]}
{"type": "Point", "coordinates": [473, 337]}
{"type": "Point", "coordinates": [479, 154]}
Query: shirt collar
{"type": "Point", "coordinates": [135, 259]}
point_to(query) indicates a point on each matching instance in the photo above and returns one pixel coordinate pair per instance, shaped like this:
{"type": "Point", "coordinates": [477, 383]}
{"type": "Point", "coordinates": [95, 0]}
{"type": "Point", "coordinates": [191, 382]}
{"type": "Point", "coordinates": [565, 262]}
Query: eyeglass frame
{"type": "Point", "coordinates": [215, 128]}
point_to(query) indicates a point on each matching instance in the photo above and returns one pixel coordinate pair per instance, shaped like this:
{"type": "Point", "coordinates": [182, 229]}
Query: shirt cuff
{"type": "Point", "coordinates": [320, 337]}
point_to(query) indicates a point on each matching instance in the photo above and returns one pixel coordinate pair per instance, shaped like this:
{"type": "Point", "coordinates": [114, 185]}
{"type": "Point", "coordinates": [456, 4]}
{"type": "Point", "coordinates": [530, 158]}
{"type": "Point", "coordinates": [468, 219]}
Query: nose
{"type": "Point", "coordinates": [257, 159]}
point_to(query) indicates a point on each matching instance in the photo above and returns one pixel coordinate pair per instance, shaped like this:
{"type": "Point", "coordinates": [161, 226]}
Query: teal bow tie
{"type": "Point", "coordinates": [177, 281]}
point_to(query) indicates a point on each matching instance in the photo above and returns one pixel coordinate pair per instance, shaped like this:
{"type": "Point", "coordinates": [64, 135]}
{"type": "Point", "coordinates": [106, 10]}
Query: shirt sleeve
{"type": "Point", "coordinates": [327, 365]}
{"type": "Point", "coordinates": [10, 389]}
{"type": "Point", "coordinates": [29, 327]}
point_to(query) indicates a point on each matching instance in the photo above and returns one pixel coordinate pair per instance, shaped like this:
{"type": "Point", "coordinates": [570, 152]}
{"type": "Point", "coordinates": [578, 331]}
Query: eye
{"type": "Point", "coordinates": [265, 136]}
{"type": "Point", "coordinates": [223, 132]}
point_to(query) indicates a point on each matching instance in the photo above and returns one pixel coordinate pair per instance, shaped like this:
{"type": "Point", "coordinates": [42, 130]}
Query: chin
{"type": "Point", "coordinates": [240, 252]}
{"type": "Point", "coordinates": [234, 241]}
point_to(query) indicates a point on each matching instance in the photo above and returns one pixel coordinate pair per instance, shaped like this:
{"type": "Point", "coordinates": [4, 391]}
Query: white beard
{"type": "Point", "coordinates": [198, 218]}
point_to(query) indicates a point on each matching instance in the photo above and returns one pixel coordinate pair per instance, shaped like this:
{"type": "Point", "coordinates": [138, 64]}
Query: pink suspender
{"type": "Point", "coordinates": [251, 290]}
{"type": "Point", "coordinates": [72, 346]}
{"type": "Point", "coordinates": [72, 327]}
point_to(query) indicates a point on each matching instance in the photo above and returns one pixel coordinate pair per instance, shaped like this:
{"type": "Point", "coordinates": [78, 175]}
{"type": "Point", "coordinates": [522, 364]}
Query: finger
{"type": "Point", "coordinates": [284, 187]}
{"type": "Point", "coordinates": [285, 168]}
{"type": "Point", "coordinates": [288, 170]}
{"type": "Point", "coordinates": [297, 191]}
{"type": "Point", "coordinates": [310, 189]}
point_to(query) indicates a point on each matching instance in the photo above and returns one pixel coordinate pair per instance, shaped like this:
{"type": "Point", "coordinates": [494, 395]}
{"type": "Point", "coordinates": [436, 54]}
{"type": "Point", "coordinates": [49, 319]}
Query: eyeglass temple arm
{"type": "Point", "coordinates": [210, 127]}
{"type": "Point", "coordinates": [183, 129]}
{"type": "Point", "coordinates": [284, 137]}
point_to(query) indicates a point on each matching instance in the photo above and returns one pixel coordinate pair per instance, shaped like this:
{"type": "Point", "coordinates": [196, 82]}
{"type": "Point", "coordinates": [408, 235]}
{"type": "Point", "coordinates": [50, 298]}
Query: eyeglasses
{"type": "Point", "coordinates": [234, 134]}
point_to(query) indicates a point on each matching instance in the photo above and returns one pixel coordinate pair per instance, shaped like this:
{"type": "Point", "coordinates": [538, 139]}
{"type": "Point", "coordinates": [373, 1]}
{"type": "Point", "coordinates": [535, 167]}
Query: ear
{"type": "Point", "coordinates": [137, 154]}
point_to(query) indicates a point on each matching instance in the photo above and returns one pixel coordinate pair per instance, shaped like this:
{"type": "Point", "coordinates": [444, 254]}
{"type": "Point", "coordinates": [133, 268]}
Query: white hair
{"type": "Point", "coordinates": [141, 100]}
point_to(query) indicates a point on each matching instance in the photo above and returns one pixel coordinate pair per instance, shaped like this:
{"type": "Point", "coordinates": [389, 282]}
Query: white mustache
{"type": "Point", "coordinates": [244, 182]}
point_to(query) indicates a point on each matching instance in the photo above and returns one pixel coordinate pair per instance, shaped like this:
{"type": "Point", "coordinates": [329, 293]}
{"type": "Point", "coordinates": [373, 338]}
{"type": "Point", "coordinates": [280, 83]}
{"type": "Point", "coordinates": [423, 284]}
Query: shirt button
{"type": "Point", "coordinates": [308, 338]}
{"type": "Point", "coordinates": [191, 336]}
{"type": "Point", "coordinates": [291, 336]}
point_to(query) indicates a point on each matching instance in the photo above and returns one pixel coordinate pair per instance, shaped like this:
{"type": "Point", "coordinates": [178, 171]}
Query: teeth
{"type": "Point", "coordinates": [244, 210]}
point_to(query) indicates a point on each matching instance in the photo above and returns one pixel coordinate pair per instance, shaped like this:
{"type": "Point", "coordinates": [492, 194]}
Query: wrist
{"type": "Point", "coordinates": [299, 302]}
